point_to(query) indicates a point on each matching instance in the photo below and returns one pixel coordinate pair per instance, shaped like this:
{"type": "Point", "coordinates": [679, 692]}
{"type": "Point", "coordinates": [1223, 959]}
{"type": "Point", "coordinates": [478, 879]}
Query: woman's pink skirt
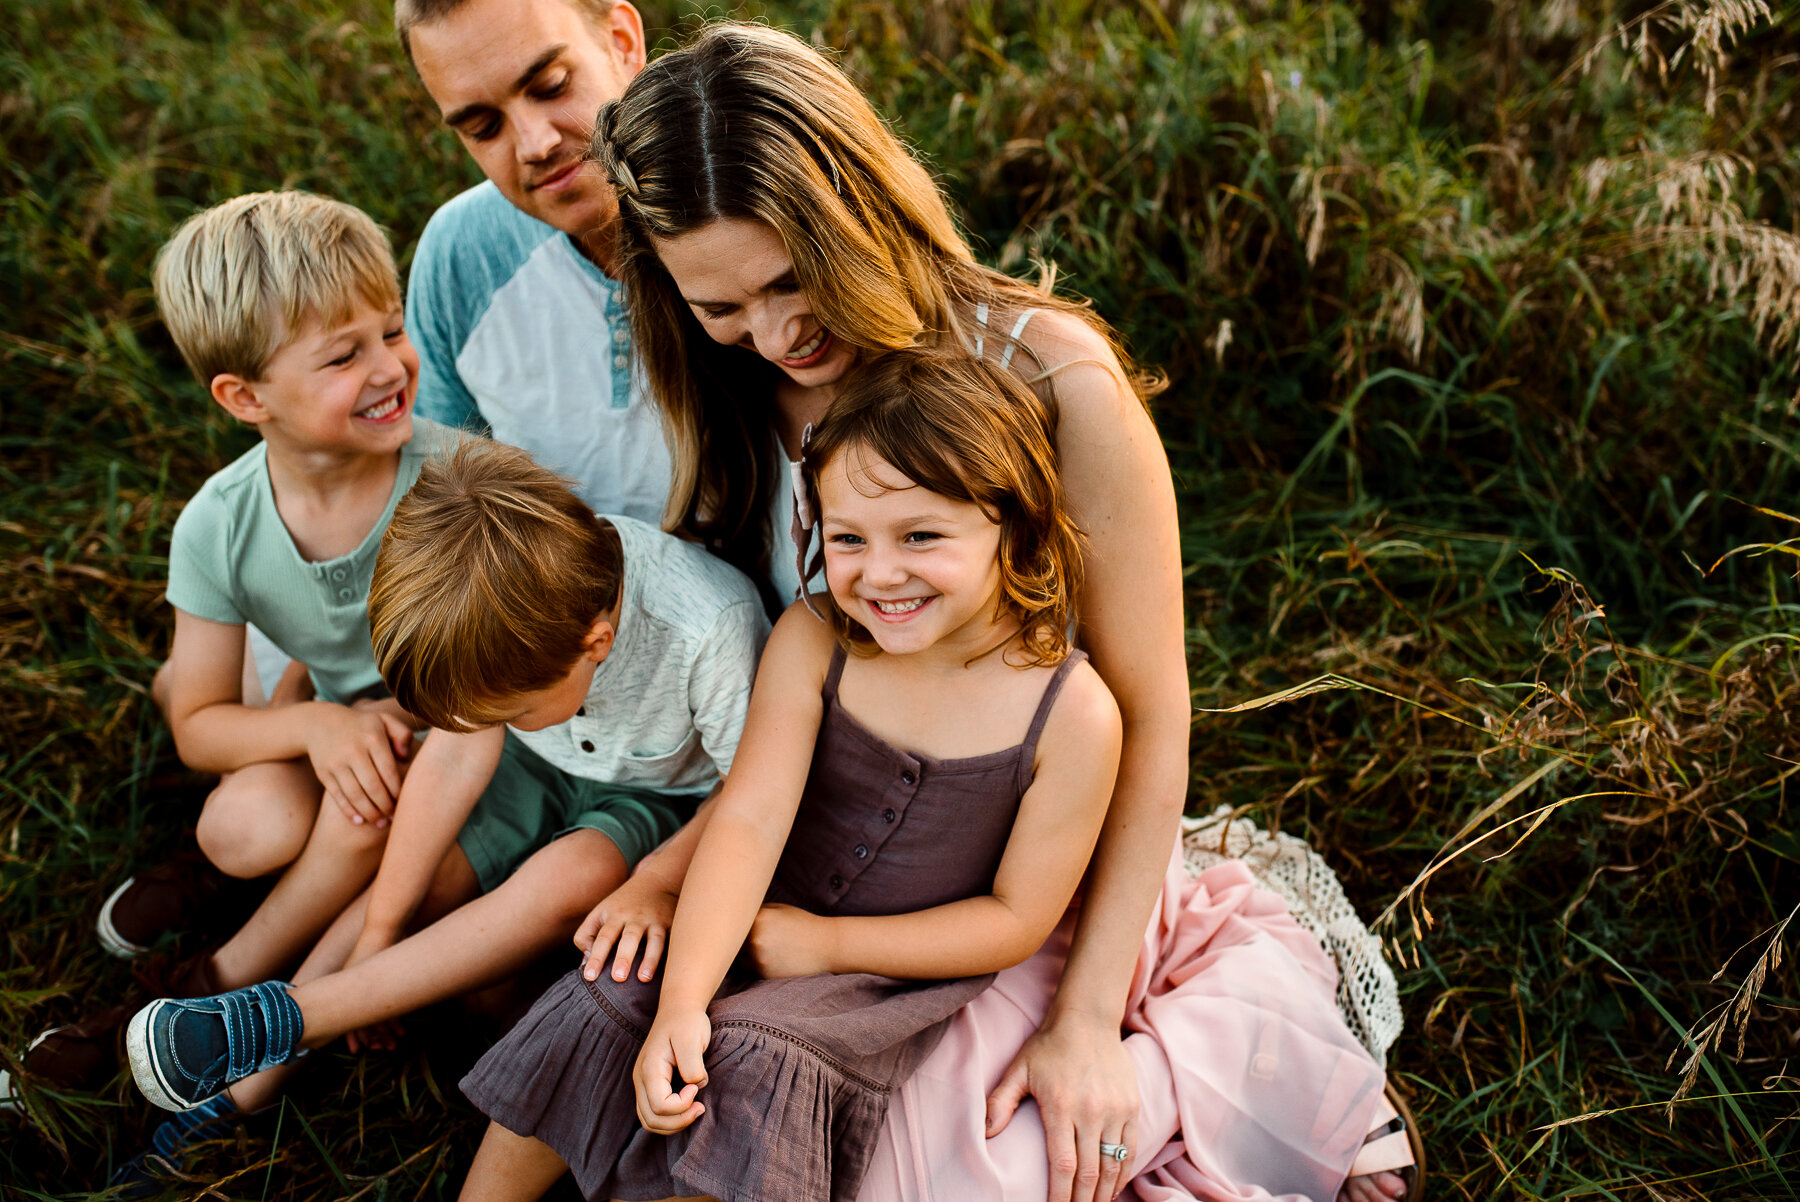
{"type": "Point", "coordinates": [1251, 1085]}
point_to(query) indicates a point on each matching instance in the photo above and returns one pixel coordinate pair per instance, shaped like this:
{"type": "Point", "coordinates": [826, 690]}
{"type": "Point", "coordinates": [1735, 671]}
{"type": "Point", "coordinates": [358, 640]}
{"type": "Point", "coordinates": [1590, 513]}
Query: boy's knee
{"type": "Point", "coordinates": [246, 832]}
{"type": "Point", "coordinates": [159, 688]}
{"type": "Point", "coordinates": [586, 867]}
{"type": "Point", "coordinates": [236, 844]}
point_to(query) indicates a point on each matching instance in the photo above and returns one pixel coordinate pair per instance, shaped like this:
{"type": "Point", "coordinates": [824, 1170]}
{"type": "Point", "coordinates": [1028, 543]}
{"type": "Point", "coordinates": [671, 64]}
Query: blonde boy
{"type": "Point", "coordinates": [287, 308]}
{"type": "Point", "coordinates": [587, 678]}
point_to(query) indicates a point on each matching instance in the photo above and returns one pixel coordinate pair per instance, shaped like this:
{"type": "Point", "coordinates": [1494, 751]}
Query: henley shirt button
{"type": "Point", "coordinates": [621, 361]}
{"type": "Point", "coordinates": [908, 777]}
{"type": "Point", "coordinates": [619, 336]}
{"type": "Point", "coordinates": [345, 594]}
{"type": "Point", "coordinates": [337, 573]}
{"type": "Point", "coordinates": [837, 882]}
{"type": "Point", "coordinates": [862, 851]}
{"type": "Point", "coordinates": [586, 745]}
{"type": "Point", "coordinates": [887, 815]}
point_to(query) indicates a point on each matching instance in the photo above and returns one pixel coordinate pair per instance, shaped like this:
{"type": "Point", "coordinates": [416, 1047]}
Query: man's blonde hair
{"type": "Point", "coordinates": [238, 281]}
{"type": "Point", "coordinates": [489, 578]}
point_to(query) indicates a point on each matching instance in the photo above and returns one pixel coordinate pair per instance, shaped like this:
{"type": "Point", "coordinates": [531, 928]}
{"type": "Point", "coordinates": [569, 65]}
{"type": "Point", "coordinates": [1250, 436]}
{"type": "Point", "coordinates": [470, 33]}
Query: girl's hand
{"type": "Point", "coordinates": [789, 942]}
{"type": "Point", "coordinates": [1086, 1091]}
{"type": "Point", "coordinates": [639, 911]}
{"type": "Point", "coordinates": [676, 1043]}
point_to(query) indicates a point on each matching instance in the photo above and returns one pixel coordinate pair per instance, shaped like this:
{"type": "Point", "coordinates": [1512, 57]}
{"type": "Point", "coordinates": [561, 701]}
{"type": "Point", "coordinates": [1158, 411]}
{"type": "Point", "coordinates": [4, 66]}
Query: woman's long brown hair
{"type": "Point", "coordinates": [750, 123]}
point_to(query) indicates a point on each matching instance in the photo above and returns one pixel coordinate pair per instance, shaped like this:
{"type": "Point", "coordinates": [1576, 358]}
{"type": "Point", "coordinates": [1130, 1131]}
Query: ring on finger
{"type": "Point", "coordinates": [1118, 1152]}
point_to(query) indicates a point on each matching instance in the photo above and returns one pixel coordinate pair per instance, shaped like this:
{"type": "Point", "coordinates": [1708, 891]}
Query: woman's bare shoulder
{"type": "Point", "coordinates": [1088, 380]}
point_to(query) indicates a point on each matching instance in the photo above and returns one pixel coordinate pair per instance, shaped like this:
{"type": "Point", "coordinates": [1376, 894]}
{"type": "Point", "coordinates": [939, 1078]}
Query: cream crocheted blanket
{"type": "Point", "coordinates": [1367, 992]}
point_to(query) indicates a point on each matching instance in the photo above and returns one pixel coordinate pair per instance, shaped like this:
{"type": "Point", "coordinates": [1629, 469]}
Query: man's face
{"type": "Point", "coordinates": [520, 81]}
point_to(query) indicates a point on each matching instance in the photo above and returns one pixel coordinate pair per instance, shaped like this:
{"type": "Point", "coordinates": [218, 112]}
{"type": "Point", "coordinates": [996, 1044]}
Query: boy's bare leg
{"type": "Point", "coordinates": [511, 1168]}
{"type": "Point", "coordinates": [455, 884]}
{"type": "Point", "coordinates": [259, 818]}
{"type": "Point", "coordinates": [339, 860]}
{"type": "Point", "coordinates": [492, 937]}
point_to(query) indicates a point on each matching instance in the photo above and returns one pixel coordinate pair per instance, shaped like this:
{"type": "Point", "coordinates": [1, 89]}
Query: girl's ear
{"type": "Point", "coordinates": [237, 396]}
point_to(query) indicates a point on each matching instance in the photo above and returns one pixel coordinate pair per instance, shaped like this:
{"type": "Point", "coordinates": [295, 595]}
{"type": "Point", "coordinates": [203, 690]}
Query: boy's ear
{"type": "Point", "coordinates": [599, 640]}
{"type": "Point", "coordinates": [237, 396]}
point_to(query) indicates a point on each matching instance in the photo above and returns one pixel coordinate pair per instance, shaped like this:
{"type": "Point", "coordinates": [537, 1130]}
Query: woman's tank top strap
{"type": "Point", "coordinates": [1028, 749]}
{"type": "Point", "coordinates": [834, 674]}
{"type": "Point", "coordinates": [1012, 343]}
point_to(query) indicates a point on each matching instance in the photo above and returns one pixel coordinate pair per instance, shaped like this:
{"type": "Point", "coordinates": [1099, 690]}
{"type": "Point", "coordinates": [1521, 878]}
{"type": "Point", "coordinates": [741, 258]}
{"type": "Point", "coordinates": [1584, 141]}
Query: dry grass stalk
{"type": "Point", "coordinates": [1706, 29]}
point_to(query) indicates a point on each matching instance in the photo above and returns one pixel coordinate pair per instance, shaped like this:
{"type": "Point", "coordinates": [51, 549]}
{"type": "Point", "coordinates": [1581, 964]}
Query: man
{"type": "Point", "coordinates": [521, 329]}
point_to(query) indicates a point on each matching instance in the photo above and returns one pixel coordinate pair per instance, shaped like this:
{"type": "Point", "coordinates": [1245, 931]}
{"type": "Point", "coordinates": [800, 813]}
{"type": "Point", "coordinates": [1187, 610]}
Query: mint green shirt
{"type": "Point", "coordinates": [232, 560]}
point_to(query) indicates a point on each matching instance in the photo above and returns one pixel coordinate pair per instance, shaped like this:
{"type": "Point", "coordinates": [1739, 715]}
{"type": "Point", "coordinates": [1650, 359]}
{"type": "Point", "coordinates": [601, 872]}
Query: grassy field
{"type": "Point", "coordinates": [1481, 321]}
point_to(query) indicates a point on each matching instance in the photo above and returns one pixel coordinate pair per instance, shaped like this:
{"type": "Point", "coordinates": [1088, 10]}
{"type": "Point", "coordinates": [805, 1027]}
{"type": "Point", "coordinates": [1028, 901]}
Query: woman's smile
{"type": "Point", "coordinates": [738, 280]}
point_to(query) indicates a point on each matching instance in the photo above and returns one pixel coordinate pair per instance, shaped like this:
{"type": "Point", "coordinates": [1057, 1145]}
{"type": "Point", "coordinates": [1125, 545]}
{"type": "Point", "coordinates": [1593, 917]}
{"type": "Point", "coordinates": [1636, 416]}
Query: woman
{"type": "Point", "coordinates": [767, 209]}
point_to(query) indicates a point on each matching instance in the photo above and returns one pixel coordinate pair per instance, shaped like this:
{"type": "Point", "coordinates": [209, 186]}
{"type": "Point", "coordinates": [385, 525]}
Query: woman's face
{"type": "Point", "coordinates": [738, 278]}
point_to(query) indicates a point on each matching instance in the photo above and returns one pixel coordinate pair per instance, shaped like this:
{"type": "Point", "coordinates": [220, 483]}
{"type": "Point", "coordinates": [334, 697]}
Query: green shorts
{"type": "Point", "coordinates": [530, 802]}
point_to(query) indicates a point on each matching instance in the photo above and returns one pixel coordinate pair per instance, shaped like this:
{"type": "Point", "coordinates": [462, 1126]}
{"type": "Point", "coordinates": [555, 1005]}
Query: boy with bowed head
{"type": "Point", "coordinates": [587, 680]}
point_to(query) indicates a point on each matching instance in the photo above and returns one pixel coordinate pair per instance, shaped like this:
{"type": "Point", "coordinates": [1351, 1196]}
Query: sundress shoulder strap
{"type": "Point", "coordinates": [834, 673]}
{"type": "Point", "coordinates": [1028, 749]}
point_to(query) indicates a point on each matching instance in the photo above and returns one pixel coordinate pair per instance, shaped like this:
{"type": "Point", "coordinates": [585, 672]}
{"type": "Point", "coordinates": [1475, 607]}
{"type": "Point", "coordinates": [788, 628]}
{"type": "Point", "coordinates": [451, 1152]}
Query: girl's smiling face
{"type": "Point", "coordinates": [738, 279]}
{"type": "Point", "coordinates": [916, 569]}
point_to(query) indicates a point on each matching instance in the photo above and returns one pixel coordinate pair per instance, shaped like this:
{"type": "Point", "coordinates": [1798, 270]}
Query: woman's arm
{"type": "Point", "coordinates": [1116, 475]}
{"type": "Point", "coordinates": [734, 863]}
{"type": "Point", "coordinates": [1051, 841]}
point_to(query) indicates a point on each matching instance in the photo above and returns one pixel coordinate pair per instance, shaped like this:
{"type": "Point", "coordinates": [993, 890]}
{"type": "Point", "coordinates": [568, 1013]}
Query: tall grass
{"type": "Point", "coordinates": [1481, 325]}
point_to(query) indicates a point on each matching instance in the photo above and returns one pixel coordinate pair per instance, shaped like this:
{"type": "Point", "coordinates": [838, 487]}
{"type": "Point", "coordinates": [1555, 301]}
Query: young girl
{"type": "Point", "coordinates": [903, 821]}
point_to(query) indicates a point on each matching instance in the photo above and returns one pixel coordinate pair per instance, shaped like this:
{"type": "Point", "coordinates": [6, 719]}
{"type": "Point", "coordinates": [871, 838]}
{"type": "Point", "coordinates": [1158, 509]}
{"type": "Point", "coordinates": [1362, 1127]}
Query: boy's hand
{"type": "Point", "coordinates": [356, 754]}
{"type": "Point", "coordinates": [637, 912]}
{"type": "Point", "coordinates": [789, 942]}
{"type": "Point", "coordinates": [677, 1042]}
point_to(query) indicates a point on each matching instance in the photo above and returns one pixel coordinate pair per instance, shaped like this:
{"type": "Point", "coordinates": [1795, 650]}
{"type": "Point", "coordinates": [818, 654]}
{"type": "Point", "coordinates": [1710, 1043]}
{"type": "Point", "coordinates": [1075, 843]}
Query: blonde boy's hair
{"type": "Point", "coordinates": [238, 281]}
{"type": "Point", "coordinates": [489, 578]}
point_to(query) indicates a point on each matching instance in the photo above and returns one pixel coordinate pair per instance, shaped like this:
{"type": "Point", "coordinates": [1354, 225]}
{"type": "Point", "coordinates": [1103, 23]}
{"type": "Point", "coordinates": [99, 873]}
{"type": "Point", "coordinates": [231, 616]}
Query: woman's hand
{"type": "Point", "coordinates": [638, 912]}
{"type": "Point", "coordinates": [1086, 1090]}
{"type": "Point", "coordinates": [789, 942]}
{"type": "Point", "coordinates": [676, 1043]}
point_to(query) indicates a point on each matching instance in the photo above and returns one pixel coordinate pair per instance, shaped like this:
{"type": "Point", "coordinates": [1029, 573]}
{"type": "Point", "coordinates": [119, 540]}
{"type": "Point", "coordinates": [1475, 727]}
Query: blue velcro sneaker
{"type": "Point", "coordinates": [185, 1051]}
{"type": "Point", "coordinates": [148, 1171]}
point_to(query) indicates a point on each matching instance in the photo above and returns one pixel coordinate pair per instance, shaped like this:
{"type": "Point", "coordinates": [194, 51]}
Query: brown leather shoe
{"type": "Point", "coordinates": [155, 903]}
{"type": "Point", "coordinates": [79, 1057]}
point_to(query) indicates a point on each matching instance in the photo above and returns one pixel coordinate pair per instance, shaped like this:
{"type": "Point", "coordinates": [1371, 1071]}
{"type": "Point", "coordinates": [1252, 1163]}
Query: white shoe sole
{"type": "Point", "coordinates": [9, 1097]}
{"type": "Point", "coordinates": [143, 1064]}
{"type": "Point", "coordinates": [110, 939]}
